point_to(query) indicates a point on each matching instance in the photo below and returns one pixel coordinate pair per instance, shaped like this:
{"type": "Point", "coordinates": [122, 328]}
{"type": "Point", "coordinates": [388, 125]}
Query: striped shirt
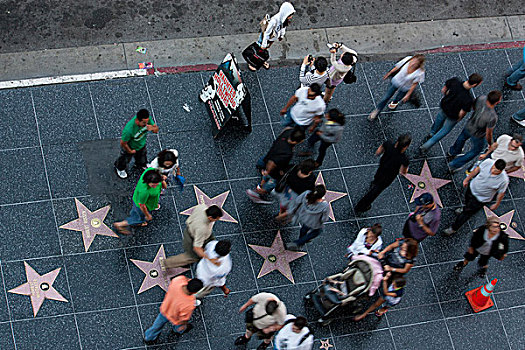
{"type": "Point", "coordinates": [307, 77]}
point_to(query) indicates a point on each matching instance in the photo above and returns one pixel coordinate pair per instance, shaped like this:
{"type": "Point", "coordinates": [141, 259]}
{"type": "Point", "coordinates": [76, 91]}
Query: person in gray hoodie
{"type": "Point", "coordinates": [311, 212]}
{"type": "Point", "coordinates": [275, 28]}
{"type": "Point", "coordinates": [329, 133]}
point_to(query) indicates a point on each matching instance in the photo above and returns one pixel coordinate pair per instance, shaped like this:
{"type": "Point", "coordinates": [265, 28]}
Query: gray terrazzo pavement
{"type": "Point", "coordinates": [59, 143]}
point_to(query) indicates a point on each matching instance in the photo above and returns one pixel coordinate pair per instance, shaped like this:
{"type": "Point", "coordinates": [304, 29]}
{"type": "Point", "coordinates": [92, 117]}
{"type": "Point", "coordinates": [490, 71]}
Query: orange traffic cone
{"type": "Point", "coordinates": [479, 298]}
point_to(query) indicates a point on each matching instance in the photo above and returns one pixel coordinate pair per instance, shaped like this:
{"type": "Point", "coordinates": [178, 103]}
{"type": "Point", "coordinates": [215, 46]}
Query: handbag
{"type": "Point", "coordinates": [350, 76]}
{"type": "Point", "coordinates": [264, 23]}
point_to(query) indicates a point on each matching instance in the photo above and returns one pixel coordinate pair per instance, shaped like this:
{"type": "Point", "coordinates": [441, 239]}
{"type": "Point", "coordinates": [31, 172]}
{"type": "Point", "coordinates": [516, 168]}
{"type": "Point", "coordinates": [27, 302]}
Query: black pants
{"type": "Point", "coordinates": [312, 140]}
{"type": "Point", "coordinates": [373, 192]}
{"type": "Point", "coordinates": [124, 158]}
{"type": "Point", "coordinates": [483, 259]}
{"type": "Point", "coordinates": [472, 206]}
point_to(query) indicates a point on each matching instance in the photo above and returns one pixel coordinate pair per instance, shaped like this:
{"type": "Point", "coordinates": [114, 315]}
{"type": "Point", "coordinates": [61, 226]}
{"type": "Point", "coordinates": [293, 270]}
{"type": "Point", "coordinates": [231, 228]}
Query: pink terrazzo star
{"type": "Point", "coordinates": [325, 344]}
{"type": "Point", "coordinates": [424, 182]}
{"type": "Point", "coordinates": [202, 198]}
{"type": "Point", "coordinates": [90, 224]}
{"type": "Point", "coordinates": [39, 287]}
{"type": "Point", "coordinates": [330, 196]}
{"type": "Point", "coordinates": [155, 275]}
{"type": "Point", "coordinates": [506, 222]}
{"type": "Point", "coordinates": [520, 173]}
{"type": "Point", "coordinates": [276, 257]}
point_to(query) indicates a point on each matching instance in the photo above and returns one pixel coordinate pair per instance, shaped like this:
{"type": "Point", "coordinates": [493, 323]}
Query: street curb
{"type": "Point", "coordinates": [372, 42]}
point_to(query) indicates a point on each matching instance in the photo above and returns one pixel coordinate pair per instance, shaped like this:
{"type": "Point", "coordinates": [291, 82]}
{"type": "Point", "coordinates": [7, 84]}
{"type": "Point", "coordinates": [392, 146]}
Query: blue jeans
{"type": "Point", "coordinates": [306, 234]}
{"type": "Point", "coordinates": [516, 72]}
{"type": "Point", "coordinates": [153, 332]}
{"type": "Point", "coordinates": [287, 120]}
{"type": "Point", "coordinates": [441, 127]}
{"type": "Point", "coordinates": [478, 145]}
{"type": "Point", "coordinates": [388, 95]}
{"type": "Point", "coordinates": [136, 216]}
{"type": "Point", "coordinates": [519, 115]}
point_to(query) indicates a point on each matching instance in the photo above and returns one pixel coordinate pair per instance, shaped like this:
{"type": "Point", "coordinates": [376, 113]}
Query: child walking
{"type": "Point", "coordinates": [390, 296]}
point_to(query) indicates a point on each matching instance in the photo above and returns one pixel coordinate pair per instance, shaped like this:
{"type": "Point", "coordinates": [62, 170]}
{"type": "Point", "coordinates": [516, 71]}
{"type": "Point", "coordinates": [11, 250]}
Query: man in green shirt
{"type": "Point", "coordinates": [145, 199]}
{"type": "Point", "coordinates": [133, 142]}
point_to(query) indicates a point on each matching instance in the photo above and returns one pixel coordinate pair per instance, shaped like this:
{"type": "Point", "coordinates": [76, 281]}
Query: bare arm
{"type": "Point", "coordinates": [246, 305]}
{"type": "Point", "coordinates": [153, 128]}
{"type": "Point", "coordinates": [144, 209]}
{"type": "Point", "coordinates": [490, 132]}
{"type": "Point", "coordinates": [380, 150]}
{"type": "Point", "coordinates": [498, 201]}
{"type": "Point", "coordinates": [126, 147]}
{"type": "Point", "coordinates": [489, 151]}
{"type": "Point", "coordinates": [461, 114]}
{"type": "Point", "coordinates": [291, 101]}
{"type": "Point", "coordinates": [409, 92]}
{"type": "Point", "coordinates": [403, 170]}
{"type": "Point", "coordinates": [512, 169]}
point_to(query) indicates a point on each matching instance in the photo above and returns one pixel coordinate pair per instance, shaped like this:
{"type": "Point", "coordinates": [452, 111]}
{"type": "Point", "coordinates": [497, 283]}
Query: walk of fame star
{"type": "Point", "coordinates": [202, 198]}
{"type": "Point", "coordinates": [505, 222]}
{"type": "Point", "coordinates": [39, 287]}
{"type": "Point", "coordinates": [155, 276]}
{"type": "Point", "coordinates": [424, 182]}
{"type": "Point", "coordinates": [330, 196]}
{"type": "Point", "coordinates": [276, 257]}
{"type": "Point", "coordinates": [520, 173]}
{"type": "Point", "coordinates": [90, 223]}
{"type": "Point", "coordinates": [325, 344]}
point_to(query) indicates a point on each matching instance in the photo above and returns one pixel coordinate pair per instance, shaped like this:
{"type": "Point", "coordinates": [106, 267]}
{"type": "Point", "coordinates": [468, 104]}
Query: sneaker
{"type": "Point", "coordinates": [450, 156]}
{"type": "Point", "coordinates": [516, 87]}
{"type": "Point", "coordinates": [256, 198]}
{"type": "Point", "coordinates": [519, 122]}
{"type": "Point", "coordinates": [482, 272]}
{"type": "Point", "coordinates": [197, 303]}
{"type": "Point", "coordinates": [241, 340]}
{"type": "Point", "coordinates": [373, 115]}
{"type": "Point", "coordinates": [151, 342]}
{"type": "Point", "coordinates": [263, 346]}
{"type": "Point", "coordinates": [392, 105]}
{"type": "Point", "coordinates": [121, 173]}
{"type": "Point", "coordinates": [428, 137]}
{"type": "Point", "coordinates": [459, 266]}
{"type": "Point", "coordinates": [458, 211]}
{"type": "Point", "coordinates": [449, 231]}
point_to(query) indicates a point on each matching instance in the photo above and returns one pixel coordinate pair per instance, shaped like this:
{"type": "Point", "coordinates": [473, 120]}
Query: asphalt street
{"type": "Point", "coordinates": [27, 25]}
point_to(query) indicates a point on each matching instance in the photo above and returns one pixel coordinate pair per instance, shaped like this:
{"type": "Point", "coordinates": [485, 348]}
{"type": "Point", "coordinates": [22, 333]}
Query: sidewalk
{"type": "Point", "coordinates": [372, 42]}
{"type": "Point", "coordinates": [59, 143]}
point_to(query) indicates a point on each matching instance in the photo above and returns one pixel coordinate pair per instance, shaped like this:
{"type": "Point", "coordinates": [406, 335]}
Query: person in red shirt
{"type": "Point", "coordinates": [177, 307]}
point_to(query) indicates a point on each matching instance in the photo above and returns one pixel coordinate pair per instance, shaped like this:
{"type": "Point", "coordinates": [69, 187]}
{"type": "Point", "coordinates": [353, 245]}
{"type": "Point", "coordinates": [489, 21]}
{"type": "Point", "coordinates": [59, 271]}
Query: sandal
{"type": "Point", "coordinates": [120, 229]}
{"type": "Point", "coordinates": [378, 315]}
{"type": "Point", "coordinates": [253, 69]}
{"type": "Point", "coordinates": [266, 65]}
{"type": "Point", "coordinates": [143, 224]}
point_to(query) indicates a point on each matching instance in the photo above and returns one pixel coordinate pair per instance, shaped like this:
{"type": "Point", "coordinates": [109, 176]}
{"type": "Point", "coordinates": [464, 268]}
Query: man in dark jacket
{"type": "Point", "coordinates": [488, 240]}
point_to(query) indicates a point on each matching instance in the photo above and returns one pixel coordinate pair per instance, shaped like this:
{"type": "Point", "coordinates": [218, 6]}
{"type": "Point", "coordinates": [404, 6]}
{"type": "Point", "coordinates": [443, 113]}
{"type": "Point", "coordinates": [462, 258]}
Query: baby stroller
{"type": "Point", "coordinates": [342, 291]}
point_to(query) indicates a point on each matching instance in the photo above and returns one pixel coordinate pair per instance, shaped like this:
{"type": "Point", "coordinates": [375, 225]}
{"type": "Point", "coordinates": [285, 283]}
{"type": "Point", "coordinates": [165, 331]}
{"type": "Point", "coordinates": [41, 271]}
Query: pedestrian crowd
{"type": "Point", "coordinates": [305, 116]}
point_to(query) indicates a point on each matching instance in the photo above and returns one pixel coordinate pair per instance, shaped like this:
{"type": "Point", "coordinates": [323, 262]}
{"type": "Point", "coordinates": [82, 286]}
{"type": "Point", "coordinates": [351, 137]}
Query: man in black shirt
{"type": "Point", "coordinates": [393, 162]}
{"type": "Point", "coordinates": [455, 104]}
{"type": "Point", "coordinates": [276, 162]}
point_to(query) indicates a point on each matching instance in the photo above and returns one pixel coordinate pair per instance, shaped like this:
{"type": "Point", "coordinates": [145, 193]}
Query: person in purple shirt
{"type": "Point", "coordinates": [425, 219]}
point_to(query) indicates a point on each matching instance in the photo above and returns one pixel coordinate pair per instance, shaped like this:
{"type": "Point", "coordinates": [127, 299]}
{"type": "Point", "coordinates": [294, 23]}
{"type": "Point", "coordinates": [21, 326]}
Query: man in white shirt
{"type": "Point", "coordinates": [308, 108]}
{"type": "Point", "coordinates": [488, 179]}
{"type": "Point", "coordinates": [211, 274]}
{"type": "Point", "coordinates": [509, 149]}
{"type": "Point", "coordinates": [295, 335]}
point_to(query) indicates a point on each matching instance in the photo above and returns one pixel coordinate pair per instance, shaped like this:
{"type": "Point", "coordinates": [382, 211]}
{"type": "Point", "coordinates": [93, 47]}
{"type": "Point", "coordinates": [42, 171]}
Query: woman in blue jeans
{"type": "Point", "coordinates": [311, 211]}
{"type": "Point", "coordinates": [406, 74]}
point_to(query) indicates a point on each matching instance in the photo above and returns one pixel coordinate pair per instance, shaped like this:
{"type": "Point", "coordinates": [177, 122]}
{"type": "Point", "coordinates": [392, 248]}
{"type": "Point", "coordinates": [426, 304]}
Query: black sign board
{"type": "Point", "coordinates": [225, 94]}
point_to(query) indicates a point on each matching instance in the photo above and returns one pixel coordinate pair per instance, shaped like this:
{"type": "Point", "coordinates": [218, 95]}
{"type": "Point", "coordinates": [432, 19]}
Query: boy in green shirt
{"type": "Point", "coordinates": [133, 142]}
{"type": "Point", "coordinates": [145, 199]}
